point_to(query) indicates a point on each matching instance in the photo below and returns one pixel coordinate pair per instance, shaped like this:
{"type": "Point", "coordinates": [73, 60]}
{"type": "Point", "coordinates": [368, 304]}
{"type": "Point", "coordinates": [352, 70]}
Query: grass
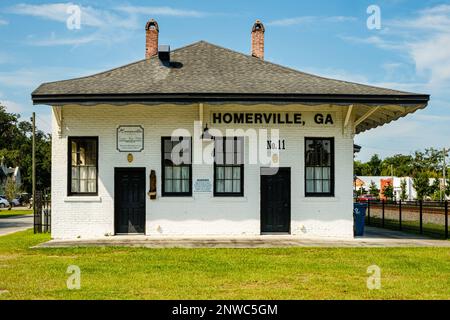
{"type": "Point", "coordinates": [5, 213]}
{"type": "Point", "coordinates": [429, 229]}
{"type": "Point", "coordinates": [290, 273]}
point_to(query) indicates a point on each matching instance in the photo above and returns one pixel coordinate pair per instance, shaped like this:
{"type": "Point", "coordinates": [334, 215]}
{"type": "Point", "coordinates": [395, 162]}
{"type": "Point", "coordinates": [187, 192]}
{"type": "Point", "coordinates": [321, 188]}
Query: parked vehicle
{"type": "Point", "coordinates": [367, 197]}
{"type": "Point", "coordinates": [24, 198]}
{"type": "Point", "coordinates": [4, 203]}
{"type": "Point", "coordinates": [16, 202]}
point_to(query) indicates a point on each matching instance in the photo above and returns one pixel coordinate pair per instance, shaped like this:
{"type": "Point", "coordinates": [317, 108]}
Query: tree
{"type": "Point", "coordinates": [361, 191]}
{"type": "Point", "coordinates": [8, 123]}
{"type": "Point", "coordinates": [11, 190]}
{"type": "Point", "coordinates": [435, 187]}
{"type": "Point", "coordinates": [403, 194]}
{"type": "Point", "coordinates": [435, 190]}
{"type": "Point", "coordinates": [421, 184]}
{"type": "Point", "coordinates": [359, 168]}
{"type": "Point", "coordinates": [388, 191]}
{"type": "Point", "coordinates": [430, 161]}
{"type": "Point", "coordinates": [373, 189]}
{"type": "Point", "coordinates": [447, 187]}
{"type": "Point", "coordinates": [374, 165]}
{"type": "Point", "coordinates": [16, 148]}
{"type": "Point", "coordinates": [402, 164]}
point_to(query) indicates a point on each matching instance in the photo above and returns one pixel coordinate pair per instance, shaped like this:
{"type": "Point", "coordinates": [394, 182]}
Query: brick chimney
{"type": "Point", "coordinates": [151, 39]}
{"type": "Point", "coordinates": [258, 40]}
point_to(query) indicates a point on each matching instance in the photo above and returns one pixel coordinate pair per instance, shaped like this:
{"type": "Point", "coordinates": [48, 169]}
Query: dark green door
{"type": "Point", "coordinates": [276, 201]}
{"type": "Point", "coordinates": [129, 200]}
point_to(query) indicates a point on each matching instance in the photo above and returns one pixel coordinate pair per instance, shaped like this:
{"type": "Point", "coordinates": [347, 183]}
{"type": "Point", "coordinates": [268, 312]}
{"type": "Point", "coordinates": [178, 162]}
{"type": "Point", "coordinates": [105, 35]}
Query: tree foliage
{"type": "Point", "coordinates": [388, 191]}
{"type": "Point", "coordinates": [421, 183]}
{"type": "Point", "coordinates": [11, 190]}
{"type": "Point", "coordinates": [430, 161]}
{"type": "Point", "coordinates": [16, 148]}
{"type": "Point", "coordinates": [373, 189]}
{"type": "Point", "coordinates": [421, 166]}
{"type": "Point", "coordinates": [403, 194]}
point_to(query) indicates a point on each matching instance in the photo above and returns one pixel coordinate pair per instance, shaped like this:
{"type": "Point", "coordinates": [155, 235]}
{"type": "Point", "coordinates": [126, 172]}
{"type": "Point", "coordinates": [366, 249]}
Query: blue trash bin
{"type": "Point", "coordinates": [359, 215]}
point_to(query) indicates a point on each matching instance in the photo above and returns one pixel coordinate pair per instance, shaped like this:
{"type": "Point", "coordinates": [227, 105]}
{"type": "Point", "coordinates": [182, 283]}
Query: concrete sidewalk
{"type": "Point", "coordinates": [15, 224]}
{"type": "Point", "coordinates": [374, 237]}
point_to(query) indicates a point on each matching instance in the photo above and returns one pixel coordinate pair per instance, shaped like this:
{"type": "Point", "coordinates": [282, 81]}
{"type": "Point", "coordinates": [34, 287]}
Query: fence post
{"type": "Point", "coordinates": [37, 204]}
{"type": "Point", "coordinates": [400, 215]}
{"type": "Point", "coordinates": [421, 216]}
{"type": "Point", "coordinates": [446, 218]}
{"type": "Point", "coordinates": [368, 212]}
{"type": "Point", "coordinates": [382, 213]}
{"type": "Point", "coordinates": [45, 212]}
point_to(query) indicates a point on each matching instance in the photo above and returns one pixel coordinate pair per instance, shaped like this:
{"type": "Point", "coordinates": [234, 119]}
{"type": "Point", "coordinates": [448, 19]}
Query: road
{"type": "Point", "coordinates": [14, 224]}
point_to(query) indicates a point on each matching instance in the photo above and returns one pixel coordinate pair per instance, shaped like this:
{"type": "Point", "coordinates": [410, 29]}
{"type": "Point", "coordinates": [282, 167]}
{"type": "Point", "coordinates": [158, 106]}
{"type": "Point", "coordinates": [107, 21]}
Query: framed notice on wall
{"type": "Point", "coordinates": [202, 185]}
{"type": "Point", "coordinates": [130, 138]}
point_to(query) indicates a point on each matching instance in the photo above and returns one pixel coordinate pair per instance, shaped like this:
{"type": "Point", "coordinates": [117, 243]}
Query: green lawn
{"type": "Point", "coordinates": [291, 273]}
{"type": "Point", "coordinates": [5, 213]}
{"type": "Point", "coordinates": [428, 229]}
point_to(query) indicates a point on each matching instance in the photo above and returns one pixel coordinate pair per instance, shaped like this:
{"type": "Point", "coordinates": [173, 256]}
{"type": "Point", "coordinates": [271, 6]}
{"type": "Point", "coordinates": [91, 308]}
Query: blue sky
{"type": "Point", "coordinates": [410, 52]}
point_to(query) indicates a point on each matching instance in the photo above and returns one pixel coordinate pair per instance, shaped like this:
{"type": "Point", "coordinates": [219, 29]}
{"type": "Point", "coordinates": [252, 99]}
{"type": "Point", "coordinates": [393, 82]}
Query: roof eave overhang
{"type": "Point", "coordinates": [121, 99]}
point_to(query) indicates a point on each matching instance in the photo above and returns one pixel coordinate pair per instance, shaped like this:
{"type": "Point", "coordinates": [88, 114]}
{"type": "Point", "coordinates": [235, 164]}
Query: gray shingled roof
{"type": "Point", "coordinates": [203, 69]}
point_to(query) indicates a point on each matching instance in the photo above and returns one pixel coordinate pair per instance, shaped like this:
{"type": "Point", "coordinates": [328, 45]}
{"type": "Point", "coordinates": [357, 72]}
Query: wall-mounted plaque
{"type": "Point", "coordinates": [130, 138]}
{"type": "Point", "coordinates": [202, 185]}
{"type": "Point", "coordinates": [130, 158]}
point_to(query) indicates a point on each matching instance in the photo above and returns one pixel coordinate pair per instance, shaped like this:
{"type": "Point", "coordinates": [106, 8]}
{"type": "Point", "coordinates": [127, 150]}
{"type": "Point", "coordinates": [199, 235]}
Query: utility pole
{"type": "Point", "coordinates": [34, 164]}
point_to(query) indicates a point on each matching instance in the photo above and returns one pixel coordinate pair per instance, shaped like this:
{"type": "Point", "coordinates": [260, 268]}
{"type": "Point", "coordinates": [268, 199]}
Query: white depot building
{"type": "Point", "coordinates": [203, 140]}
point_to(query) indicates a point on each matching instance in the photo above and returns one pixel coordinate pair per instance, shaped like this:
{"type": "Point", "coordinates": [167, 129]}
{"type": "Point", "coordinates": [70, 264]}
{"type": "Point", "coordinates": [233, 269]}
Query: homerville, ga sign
{"type": "Point", "coordinates": [277, 118]}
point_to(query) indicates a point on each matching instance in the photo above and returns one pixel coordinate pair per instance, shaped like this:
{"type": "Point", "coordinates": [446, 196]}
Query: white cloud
{"type": "Point", "coordinates": [43, 115]}
{"type": "Point", "coordinates": [30, 78]}
{"type": "Point", "coordinates": [433, 56]}
{"type": "Point", "coordinates": [3, 22]}
{"type": "Point", "coordinates": [161, 11]}
{"type": "Point", "coordinates": [109, 26]}
{"type": "Point", "coordinates": [75, 41]}
{"type": "Point", "coordinates": [58, 12]}
{"type": "Point", "coordinates": [345, 75]}
{"type": "Point", "coordinates": [19, 78]}
{"type": "Point", "coordinates": [5, 58]}
{"type": "Point", "coordinates": [94, 17]}
{"type": "Point", "coordinates": [376, 41]}
{"type": "Point", "coordinates": [429, 22]}
{"type": "Point", "coordinates": [431, 117]}
{"type": "Point", "coordinates": [291, 21]}
{"type": "Point", "coordinates": [12, 107]}
{"type": "Point", "coordinates": [424, 39]}
{"type": "Point", "coordinates": [390, 66]}
{"type": "Point", "coordinates": [308, 19]}
{"type": "Point", "coordinates": [440, 9]}
{"type": "Point", "coordinates": [404, 136]}
{"type": "Point", "coordinates": [338, 74]}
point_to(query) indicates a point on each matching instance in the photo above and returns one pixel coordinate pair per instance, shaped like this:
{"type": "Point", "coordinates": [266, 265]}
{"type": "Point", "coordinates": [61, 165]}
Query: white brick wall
{"type": "Point", "coordinates": [201, 214]}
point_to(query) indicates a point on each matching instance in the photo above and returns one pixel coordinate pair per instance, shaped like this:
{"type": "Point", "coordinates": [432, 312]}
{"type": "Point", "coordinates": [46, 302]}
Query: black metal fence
{"type": "Point", "coordinates": [42, 212]}
{"type": "Point", "coordinates": [423, 217]}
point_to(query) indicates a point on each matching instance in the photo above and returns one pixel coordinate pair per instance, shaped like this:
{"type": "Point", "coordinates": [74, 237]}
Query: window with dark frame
{"type": "Point", "coordinates": [176, 166]}
{"type": "Point", "coordinates": [229, 166]}
{"type": "Point", "coordinates": [319, 167]}
{"type": "Point", "coordinates": [83, 166]}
